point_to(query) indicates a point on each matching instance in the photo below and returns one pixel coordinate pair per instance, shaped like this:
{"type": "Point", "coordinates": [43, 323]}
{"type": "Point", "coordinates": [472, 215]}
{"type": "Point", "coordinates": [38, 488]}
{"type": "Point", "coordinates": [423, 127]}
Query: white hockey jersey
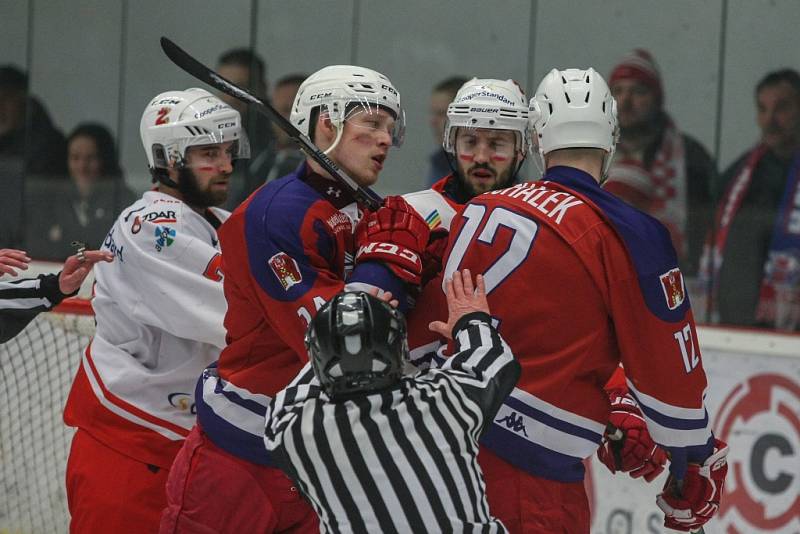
{"type": "Point", "coordinates": [159, 309]}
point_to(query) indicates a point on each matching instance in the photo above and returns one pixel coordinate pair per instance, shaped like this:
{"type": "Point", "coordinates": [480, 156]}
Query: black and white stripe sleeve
{"type": "Point", "coordinates": [279, 412]}
{"type": "Point", "coordinates": [22, 300]}
{"type": "Point", "coordinates": [483, 363]}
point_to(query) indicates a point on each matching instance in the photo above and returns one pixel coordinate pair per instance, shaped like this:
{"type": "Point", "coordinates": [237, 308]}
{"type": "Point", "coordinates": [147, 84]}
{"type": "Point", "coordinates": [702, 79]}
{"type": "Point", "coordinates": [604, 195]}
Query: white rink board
{"type": "Point", "coordinates": [754, 403]}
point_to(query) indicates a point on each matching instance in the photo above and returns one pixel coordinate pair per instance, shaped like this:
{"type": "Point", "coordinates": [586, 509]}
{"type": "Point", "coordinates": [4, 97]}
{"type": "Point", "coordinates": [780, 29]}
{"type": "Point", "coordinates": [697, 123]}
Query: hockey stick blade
{"type": "Point", "coordinates": [182, 59]}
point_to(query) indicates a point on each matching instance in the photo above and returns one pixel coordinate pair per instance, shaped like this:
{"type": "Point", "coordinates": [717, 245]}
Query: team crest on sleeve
{"type": "Point", "coordinates": [165, 236]}
{"type": "Point", "coordinates": [286, 269]}
{"type": "Point", "coordinates": [672, 284]}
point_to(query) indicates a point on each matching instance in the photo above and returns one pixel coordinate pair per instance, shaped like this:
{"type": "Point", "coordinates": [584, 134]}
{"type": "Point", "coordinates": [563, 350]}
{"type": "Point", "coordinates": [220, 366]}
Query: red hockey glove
{"type": "Point", "coordinates": [433, 254]}
{"type": "Point", "coordinates": [689, 506]}
{"type": "Point", "coordinates": [394, 235]}
{"type": "Point", "coordinates": [632, 450]}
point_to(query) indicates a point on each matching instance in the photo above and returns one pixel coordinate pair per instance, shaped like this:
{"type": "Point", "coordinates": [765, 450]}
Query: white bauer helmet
{"type": "Point", "coordinates": [175, 120]}
{"type": "Point", "coordinates": [573, 108]}
{"type": "Point", "coordinates": [490, 104]}
{"type": "Point", "coordinates": [336, 88]}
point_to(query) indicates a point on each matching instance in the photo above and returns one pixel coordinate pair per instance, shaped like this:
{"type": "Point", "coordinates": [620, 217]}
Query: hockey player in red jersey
{"type": "Point", "coordinates": [486, 137]}
{"type": "Point", "coordinates": [291, 246]}
{"type": "Point", "coordinates": [159, 309]}
{"type": "Point", "coordinates": [578, 283]}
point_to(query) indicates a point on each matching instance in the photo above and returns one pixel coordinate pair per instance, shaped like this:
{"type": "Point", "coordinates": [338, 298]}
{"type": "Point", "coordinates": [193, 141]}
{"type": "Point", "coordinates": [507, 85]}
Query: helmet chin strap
{"type": "Point", "coordinates": [339, 131]}
{"type": "Point", "coordinates": [163, 176]}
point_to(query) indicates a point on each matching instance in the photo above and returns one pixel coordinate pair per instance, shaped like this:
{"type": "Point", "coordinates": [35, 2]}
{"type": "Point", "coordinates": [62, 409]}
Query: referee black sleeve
{"type": "Point", "coordinates": [22, 300]}
{"type": "Point", "coordinates": [483, 363]}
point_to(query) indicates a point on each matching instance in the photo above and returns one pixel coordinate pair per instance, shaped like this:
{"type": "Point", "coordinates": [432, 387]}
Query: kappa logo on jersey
{"type": "Point", "coordinates": [514, 422]}
{"type": "Point", "coordinates": [165, 237]}
{"type": "Point", "coordinates": [672, 284]}
{"type": "Point", "coordinates": [286, 269]}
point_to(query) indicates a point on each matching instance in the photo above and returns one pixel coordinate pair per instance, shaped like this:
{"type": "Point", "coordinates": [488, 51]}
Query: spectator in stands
{"type": "Point", "coordinates": [87, 206]}
{"type": "Point", "coordinates": [287, 155]}
{"type": "Point", "coordinates": [22, 300]}
{"type": "Point", "coordinates": [247, 69]}
{"type": "Point", "coordinates": [443, 93]}
{"type": "Point", "coordinates": [29, 145]}
{"type": "Point", "coordinates": [657, 168]}
{"type": "Point", "coordinates": [26, 130]}
{"type": "Point", "coordinates": [752, 261]}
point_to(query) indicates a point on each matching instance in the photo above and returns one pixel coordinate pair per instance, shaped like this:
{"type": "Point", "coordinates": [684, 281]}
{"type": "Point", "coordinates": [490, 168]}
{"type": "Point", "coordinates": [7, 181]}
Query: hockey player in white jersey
{"type": "Point", "coordinates": [159, 309]}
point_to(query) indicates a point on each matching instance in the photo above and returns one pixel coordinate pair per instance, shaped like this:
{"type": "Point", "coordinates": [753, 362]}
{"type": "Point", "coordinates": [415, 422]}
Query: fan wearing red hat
{"type": "Point", "coordinates": [659, 169]}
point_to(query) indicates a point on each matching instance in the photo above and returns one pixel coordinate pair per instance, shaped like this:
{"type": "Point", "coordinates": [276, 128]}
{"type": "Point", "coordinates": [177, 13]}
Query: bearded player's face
{"type": "Point", "coordinates": [205, 179]}
{"type": "Point", "coordinates": [486, 158]}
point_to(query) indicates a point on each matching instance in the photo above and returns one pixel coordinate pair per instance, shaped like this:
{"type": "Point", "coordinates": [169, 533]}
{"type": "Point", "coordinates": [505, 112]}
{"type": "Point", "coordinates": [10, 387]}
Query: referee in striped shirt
{"type": "Point", "coordinates": [22, 300]}
{"type": "Point", "coordinates": [375, 451]}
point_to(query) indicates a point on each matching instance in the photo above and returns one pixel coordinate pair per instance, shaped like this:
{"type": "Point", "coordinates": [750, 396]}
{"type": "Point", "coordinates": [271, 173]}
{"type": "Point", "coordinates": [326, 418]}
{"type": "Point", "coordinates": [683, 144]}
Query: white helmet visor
{"type": "Point", "coordinates": [496, 144]}
{"type": "Point", "coordinates": [229, 142]}
{"type": "Point", "coordinates": [364, 113]}
{"type": "Point", "coordinates": [216, 155]}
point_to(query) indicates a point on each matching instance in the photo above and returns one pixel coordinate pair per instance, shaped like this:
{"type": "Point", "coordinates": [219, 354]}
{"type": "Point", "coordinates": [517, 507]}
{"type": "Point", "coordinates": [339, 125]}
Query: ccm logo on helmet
{"type": "Point", "coordinates": [226, 125]}
{"type": "Point", "coordinates": [321, 95]}
{"type": "Point", "coordinates": [389, 88]}
{"type": "Point", "coordinates": [166, 102]}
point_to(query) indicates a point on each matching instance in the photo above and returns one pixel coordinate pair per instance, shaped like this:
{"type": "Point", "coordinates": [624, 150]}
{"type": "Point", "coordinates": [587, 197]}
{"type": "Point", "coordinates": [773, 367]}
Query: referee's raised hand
{"type": "Point", "coordinates": [462, 298]}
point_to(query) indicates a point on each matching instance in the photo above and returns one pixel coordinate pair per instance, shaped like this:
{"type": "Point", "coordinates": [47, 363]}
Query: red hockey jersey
{"type": "Point", "coordinates": [578, 282]}
{"type": "Point", "coordinates": [287, 250]}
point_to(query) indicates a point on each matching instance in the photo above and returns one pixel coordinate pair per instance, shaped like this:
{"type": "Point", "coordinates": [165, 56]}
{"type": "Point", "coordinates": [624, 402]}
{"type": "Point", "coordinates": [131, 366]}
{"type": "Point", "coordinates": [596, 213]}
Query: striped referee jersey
{"type": "Point", "coordinates": [400, 460]}
{"type": "Point", "coordinates": [22, 300]}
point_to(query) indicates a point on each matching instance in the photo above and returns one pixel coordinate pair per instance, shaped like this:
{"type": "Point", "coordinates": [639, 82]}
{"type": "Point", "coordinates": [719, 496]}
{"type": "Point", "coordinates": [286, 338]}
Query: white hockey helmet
{"type": "Point", "coordinates": [175, 120]}
{"type": "Point", "coordinates": [490, 104]}
{"type": "Point", "coordinates": [336, 87]}
{"type": "Point", "coordinates": [573, 108]}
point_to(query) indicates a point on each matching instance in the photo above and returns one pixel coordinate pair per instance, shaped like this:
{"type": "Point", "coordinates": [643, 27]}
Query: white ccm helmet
{"type": "Point", "coordinates": [573, 108]}
{"type": "Point", "coordinates": [490, 104]}
{"type": "Point", "coordinates": [175, 120]}
{"type": "Point", "coordinates": [337, 87]}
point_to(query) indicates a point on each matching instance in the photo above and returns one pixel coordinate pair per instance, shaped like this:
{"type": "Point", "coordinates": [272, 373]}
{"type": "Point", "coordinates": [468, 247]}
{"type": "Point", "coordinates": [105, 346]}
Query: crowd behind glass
{"type": "Point", "coordinates": [736, 232]}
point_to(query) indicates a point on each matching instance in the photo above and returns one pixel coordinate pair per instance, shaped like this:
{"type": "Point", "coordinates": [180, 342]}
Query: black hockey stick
{"type": "Point", "coordinates": [181, 58]}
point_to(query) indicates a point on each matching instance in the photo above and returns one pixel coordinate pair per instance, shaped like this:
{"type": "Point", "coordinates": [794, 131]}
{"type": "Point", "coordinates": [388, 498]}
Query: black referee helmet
{"type": "Point", "coordinates": [357, 344]}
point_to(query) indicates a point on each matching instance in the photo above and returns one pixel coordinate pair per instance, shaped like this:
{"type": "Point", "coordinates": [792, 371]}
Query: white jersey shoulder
{"type": "Point", "coordinates": [432, 206]}
{"type": "Point", "coordinates": [159, 305]}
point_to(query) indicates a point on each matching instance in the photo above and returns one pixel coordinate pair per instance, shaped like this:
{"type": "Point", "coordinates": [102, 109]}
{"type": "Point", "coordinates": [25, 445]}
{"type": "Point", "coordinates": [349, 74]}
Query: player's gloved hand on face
{"type": "Point", "coordinates": [631, 450]}
{"type": "Point", "coordinates": [396, 236]}
{"type": "Point", "coordinates": [689, 506]}
{"type": "Point", "coordinates": [433, 254]}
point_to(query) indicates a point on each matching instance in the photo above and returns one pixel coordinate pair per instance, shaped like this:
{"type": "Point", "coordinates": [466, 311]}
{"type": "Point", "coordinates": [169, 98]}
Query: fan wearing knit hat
{"type": "Point", "coordinates": [657, 168]}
